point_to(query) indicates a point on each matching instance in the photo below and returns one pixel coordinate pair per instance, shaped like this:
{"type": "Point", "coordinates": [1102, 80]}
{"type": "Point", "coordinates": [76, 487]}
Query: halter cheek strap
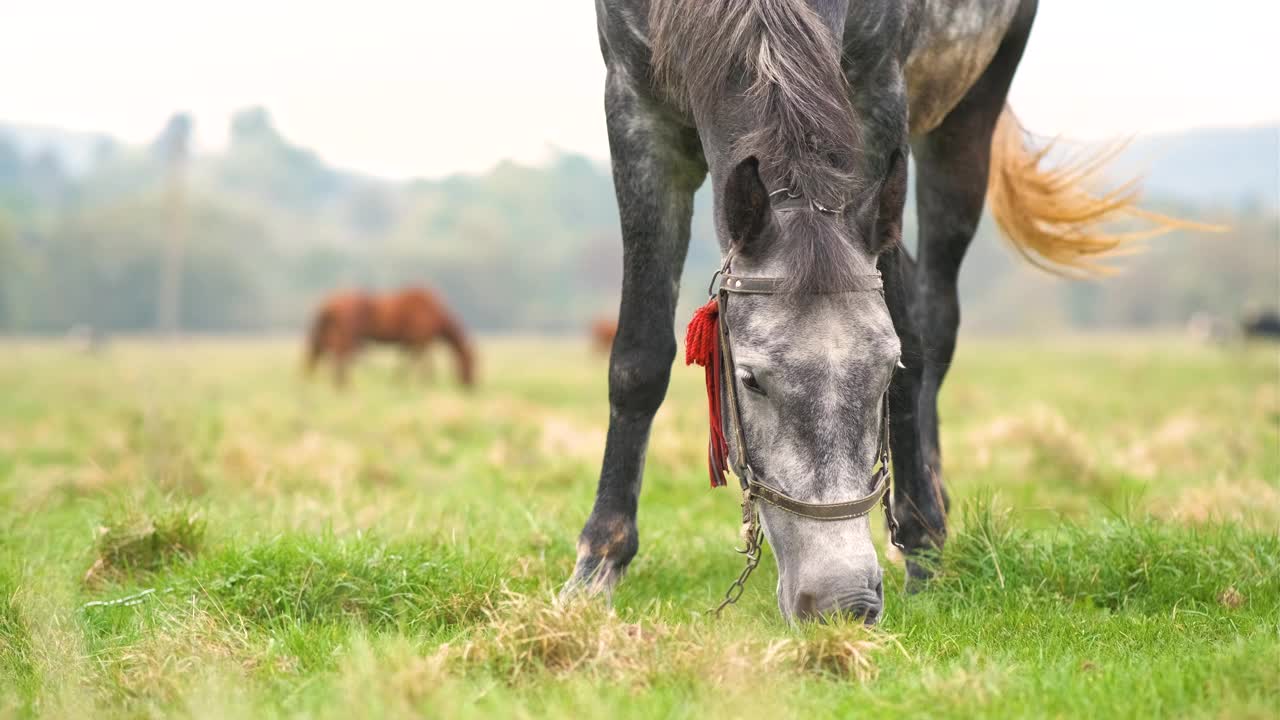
{"type": "Point", "coordinates": [753, 486]}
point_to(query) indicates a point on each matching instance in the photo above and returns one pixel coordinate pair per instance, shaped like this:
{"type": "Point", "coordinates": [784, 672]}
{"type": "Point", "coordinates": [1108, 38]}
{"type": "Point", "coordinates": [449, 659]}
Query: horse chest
{"type": "Point", "coordinates": [955, 42]}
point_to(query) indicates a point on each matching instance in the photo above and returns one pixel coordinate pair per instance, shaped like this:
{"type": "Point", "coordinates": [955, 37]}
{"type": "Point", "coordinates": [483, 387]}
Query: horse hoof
{"type": "Point", "coordinates": [918, 576]}
{"type": "Point", "coordinates": [605, 549]}
{"type": "Point", "coordinates": [593, 576]}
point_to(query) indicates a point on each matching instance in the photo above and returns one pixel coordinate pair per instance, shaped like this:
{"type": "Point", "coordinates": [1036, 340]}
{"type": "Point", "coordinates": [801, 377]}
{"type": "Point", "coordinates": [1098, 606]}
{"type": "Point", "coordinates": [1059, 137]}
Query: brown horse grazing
{"type": "Point", "coordinates": [411, 319]}
{"type": "Point", "coordinates": [602, 332]}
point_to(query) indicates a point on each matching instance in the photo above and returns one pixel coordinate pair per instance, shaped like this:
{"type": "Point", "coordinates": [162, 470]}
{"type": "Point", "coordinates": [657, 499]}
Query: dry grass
{"type": "Point", "coordinates": [312, 459]}
{"type": "Point", "coordinates": [1041, 438]}
{"type": "Point", "coordinates": [1231, 598]}
{"type": "Point", "coordinates": [975, 678]}
{"type": "Point", "coordinates": [842, 651]}
{"type": "Point", "coordinates": [526, 637]}
{"type": "Point", "coordinates": [139, 542]}
{"type": "Point", "coordinates": [390, 677]}
{"type": "Point", "coordinates": [180, 645]}
{"type": "Point", "coordinates": [1243, 500]}
{"type": "Point", "coordinates": [1169, 447]}
{"type": "Point", "coordinates": [561, 437]}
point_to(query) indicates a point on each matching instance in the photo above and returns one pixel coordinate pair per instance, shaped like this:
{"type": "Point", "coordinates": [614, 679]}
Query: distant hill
{"type": "Point", "coordinates": [75, 150]}
{"type": "Point", "coordinates": [272, 227]}
{"type": "Point", "coordinates": [1234, 167]}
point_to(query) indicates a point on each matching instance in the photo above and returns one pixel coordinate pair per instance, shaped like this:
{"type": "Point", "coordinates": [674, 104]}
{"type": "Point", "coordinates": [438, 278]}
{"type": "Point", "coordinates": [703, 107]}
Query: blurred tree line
{"type": "Point", "coordinates": [270, 228]}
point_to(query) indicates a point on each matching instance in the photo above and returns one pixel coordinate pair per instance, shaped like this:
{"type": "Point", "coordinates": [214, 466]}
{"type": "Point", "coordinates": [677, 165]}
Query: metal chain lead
{"type": "Point", "coordinates": [753, 536]}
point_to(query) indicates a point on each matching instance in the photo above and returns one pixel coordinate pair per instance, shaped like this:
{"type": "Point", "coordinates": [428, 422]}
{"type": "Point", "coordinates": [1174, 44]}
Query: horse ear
{"type": "Point", "coordinates": [893, 198]}
{"type": "Point", "coordinates": [745, 203]}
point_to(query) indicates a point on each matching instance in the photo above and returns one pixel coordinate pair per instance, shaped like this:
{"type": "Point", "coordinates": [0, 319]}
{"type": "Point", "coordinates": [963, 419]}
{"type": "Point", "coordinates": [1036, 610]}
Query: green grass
{"type": "Point", "coordinates": [197, 531]}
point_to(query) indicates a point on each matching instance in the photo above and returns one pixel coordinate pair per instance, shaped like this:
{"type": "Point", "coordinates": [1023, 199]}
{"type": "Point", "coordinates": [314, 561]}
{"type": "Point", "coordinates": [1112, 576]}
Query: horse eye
{"type": "Point", "coordinates": [749, 381]}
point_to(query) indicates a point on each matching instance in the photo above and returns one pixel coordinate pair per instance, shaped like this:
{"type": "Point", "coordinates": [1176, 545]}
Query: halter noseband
{"type": "Point", "coordinates": [753, 487]}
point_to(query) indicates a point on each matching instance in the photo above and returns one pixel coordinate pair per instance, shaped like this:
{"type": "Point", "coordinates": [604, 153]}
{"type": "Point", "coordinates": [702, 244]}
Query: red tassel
{"type": "Point", "coordinates": [702, 347]}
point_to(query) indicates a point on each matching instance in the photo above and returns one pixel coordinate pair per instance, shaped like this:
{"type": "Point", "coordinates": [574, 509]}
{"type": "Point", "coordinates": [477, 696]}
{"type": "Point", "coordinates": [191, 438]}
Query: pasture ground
{"type": "Point", "coordinates": [197, 531]}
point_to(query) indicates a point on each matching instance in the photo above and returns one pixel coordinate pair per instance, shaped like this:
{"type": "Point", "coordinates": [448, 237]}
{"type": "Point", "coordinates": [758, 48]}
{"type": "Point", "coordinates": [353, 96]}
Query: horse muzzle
{"type": "Point", "coordinates": [824, 600]}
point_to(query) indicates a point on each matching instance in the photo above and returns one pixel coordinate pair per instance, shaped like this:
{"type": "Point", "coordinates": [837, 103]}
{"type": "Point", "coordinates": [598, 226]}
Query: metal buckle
{"type": "Point", "coordinates": [711, 289]}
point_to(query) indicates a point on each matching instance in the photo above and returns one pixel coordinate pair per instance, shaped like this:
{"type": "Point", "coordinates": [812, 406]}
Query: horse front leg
{"type": "Point", "coordinates": [657, 166]}
{"type": "Point", "coordinates": [919, 501]}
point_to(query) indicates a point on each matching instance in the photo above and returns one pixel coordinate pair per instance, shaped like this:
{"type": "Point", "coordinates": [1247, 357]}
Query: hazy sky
{"type": "Point", "coordinates": [428, 87]}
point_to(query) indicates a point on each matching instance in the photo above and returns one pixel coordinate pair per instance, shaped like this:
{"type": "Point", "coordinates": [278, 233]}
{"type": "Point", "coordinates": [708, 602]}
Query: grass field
{"type": "Point", "coordinates": [196, 531]}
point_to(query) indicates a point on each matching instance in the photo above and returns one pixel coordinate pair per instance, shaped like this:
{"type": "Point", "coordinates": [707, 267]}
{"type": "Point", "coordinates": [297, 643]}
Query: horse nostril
{"type": "Point", "coordinates": [869, 614]}
{"type": "Point", "coordinates": [864, 605]}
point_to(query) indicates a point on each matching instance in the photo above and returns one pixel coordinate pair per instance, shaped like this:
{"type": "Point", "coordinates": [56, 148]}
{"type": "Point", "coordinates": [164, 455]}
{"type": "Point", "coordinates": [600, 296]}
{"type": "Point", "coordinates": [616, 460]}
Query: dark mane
{"type": "Point", "coordinates": [789, 62]}
{"type": "Point", "coordinates": [785, 62]}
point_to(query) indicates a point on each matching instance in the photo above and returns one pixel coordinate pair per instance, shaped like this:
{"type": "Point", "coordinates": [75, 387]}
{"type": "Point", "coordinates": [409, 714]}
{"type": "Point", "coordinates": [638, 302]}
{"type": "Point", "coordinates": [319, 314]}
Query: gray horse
{"type": "Point", "coordinates": [804, 112]}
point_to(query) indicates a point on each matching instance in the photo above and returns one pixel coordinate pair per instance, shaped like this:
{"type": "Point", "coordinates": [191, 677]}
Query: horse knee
{"type": "Point", "coordinates": [638, 379]}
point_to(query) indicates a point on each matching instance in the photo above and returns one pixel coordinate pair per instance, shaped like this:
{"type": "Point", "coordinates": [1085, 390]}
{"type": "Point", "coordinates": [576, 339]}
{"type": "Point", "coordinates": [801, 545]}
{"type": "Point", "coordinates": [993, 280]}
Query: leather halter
{"type": "Point", "coordinates": [784, 199]}
{"type": "Point", "coordinates": [753, 487]}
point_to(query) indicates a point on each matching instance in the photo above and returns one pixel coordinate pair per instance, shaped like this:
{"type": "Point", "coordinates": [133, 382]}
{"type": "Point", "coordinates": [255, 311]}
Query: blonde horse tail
{"type": "Point", "coordinates": [1049, 216]}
